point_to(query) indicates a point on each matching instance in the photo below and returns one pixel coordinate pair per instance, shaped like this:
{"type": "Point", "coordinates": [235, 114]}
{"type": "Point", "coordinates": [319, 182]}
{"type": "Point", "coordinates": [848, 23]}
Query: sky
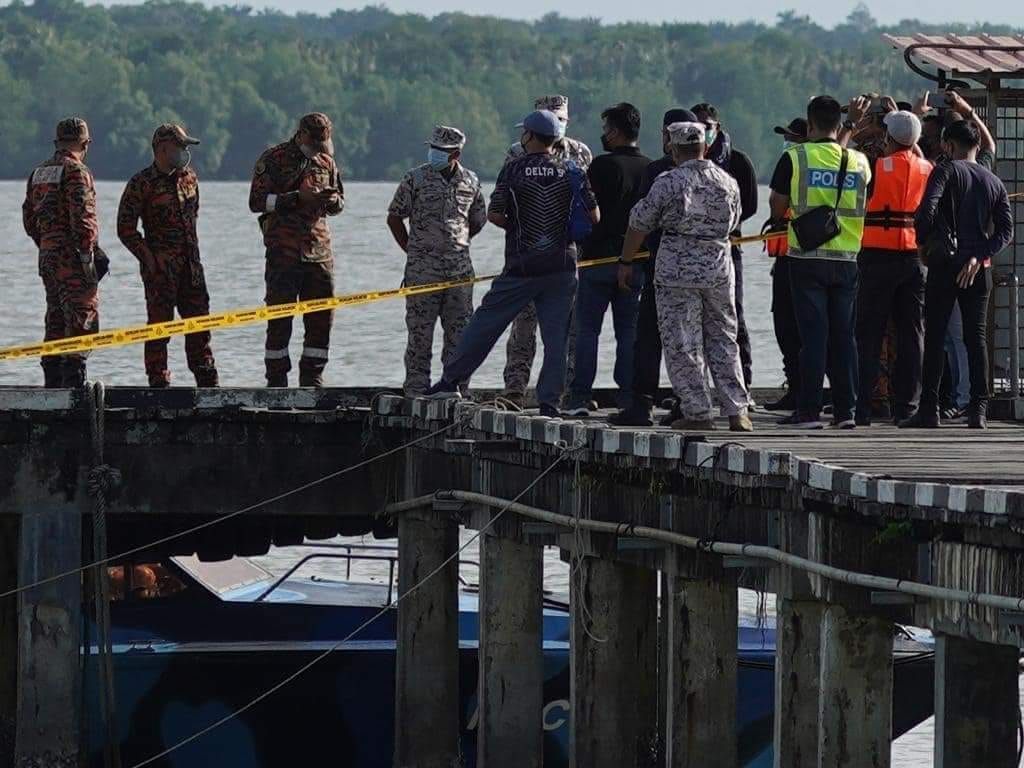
{"type": "Point", "coordinates": [825, 13]}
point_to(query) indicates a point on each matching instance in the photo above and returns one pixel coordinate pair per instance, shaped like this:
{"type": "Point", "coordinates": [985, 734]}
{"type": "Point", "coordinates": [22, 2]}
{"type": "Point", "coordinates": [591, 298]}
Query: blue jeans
{"type": "Point", "coordinates": [825, 301]}
{"type": "Point", "coordinates": [599, 288]}
{"type": "Point", "coordinates": [552, 295]}
{"type": "Point", "coordinates": [956, 359]}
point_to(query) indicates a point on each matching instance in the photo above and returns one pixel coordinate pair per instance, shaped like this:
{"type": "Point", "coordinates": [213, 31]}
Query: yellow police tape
{"type": "Point", "coordinates": [137, 334]}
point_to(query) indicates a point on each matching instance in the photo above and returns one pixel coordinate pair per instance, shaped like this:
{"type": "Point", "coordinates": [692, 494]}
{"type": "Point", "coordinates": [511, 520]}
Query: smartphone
{"type": "Point", "coordinates": [937, 101]}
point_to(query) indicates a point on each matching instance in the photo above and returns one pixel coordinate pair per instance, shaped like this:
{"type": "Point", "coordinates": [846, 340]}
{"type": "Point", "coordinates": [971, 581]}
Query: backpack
{"type": "Point", "coordinates": [580, 224]}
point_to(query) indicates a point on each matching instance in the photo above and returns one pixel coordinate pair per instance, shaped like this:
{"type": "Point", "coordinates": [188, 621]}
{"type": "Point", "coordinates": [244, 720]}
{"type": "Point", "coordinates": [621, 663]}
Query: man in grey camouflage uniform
{"type": "Point", "coordinates": [445, 208]}
{"type": "Point", "coordinates": [522, 341]}
{"type": "Point", "coordinates": [696, 205]}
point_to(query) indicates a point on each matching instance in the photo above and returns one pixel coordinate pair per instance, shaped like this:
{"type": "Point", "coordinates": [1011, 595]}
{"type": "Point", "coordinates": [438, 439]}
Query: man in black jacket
{"type": "Point", "coordinates": [647, 348]}
{"type": "Point", "coordinates": [963, 221]}
{"type": "Point", "coordinates": [738, 165]}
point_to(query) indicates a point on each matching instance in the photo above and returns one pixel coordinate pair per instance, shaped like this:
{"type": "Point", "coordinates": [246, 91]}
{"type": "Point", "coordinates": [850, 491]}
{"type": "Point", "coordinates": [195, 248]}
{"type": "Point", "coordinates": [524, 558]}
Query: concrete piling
{"type": "Point", "coordinates": [855, 705]}
{"type": "Point", "coordinates": [797, 681]}
{"type": "Point", "coordinates": [976, 703]}
{"type": "Point", "coordinates": [613, 666]}
{"type": "Point", "coordinates": [510, 693]}
{"type": "Point", "coordinates": [700, 672]}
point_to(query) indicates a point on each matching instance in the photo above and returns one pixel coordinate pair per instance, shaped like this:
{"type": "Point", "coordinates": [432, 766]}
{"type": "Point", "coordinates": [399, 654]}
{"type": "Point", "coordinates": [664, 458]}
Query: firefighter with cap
{"type": "Point", "coordinates": [296, 185]}
{"type": "Point", "coordinates": [891, 276]}
{"type": "Point", "coordinates": [696, 205]}
{"type": "Point", "coordinates": [522, 341]}
{"type": "Point", "coordinates": [59, 214]}
{"type": "Point", "coordinates": [445, 207]}
{"type": "Point", "coordinates": [165, 196]}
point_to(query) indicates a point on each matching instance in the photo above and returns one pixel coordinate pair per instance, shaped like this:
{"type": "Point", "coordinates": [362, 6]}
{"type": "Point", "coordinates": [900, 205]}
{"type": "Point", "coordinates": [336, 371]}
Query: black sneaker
{"type": "Point", "coordinates": [920, 420]}
{"type": "Point", "coordinates": [632, 417]}
{"type": "Point", "coordinates": [549, 411]}
{"type": "Point", "coordinates": [785, 403]}
{"type": "Point", "coordinates": [862, 419]}
{"type": "Point", "coordinates": [802, 421]}
{"type": "Point", "coordinates": [976, 417]}
{"type": "Point", "coordinates": [845, 423]}
{"type": "Point", "coordinates": [443, 390]}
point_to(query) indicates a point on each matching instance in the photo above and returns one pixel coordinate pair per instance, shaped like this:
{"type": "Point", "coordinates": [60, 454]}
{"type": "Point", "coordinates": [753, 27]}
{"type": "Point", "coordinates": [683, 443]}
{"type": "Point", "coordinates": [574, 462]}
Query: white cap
{"type": "Point", "coordinates": [904, 127]}
{"type": "Point", "coordinates": [685, 134]}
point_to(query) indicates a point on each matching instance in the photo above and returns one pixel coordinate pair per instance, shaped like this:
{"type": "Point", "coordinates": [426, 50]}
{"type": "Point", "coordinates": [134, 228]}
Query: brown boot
{"type": "Point", "coordinates": [740, 423]}
{"type": "Point", "coordinates": [693, 425]}
{"type": "Point", "coordinates": [207, 378]}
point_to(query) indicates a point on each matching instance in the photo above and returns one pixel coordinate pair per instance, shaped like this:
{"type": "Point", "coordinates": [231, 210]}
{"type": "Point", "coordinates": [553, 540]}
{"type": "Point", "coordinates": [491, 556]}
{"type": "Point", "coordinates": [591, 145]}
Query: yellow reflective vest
{"type": "Point", "coordinates": [813, 184]}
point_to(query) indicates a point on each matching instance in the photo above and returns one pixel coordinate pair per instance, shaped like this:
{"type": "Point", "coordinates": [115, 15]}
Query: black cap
{"type": "Point", "coordinates": [797, 127]}
{"type": "Point", "coordinates": [678, 116]}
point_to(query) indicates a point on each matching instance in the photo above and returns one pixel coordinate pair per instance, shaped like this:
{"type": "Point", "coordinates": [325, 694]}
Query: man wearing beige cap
{"type": "Point", "coordinates": [295, 185]}
{"type": "Point", "coordinates": [59, 214]}
{"type": "Point", "coordinates": [165, 196]}
{"type": "Point", "coordinates": [522, 341]}
{"type": "Point", "coordinates": [445, 208]}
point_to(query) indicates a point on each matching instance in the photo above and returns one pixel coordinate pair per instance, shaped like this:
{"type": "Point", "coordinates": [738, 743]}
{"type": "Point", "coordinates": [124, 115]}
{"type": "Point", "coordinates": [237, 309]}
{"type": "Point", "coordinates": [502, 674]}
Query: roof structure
{"type": "Point", "coordinates": [978, 57]}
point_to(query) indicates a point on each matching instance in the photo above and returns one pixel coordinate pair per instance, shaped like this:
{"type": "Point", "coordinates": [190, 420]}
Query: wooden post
{"type": "Point", "coordinates": [976, 703]}
{"type": "Point", "coordinates": [49, 629]}
{"type": "Point", "coordinates": [614, 666]}
{"type": "Point", "coordinates": [427, 657]}
{"type": "Point", "coordinates": [855, 706]}
{"type": "Point", "coordinates": [510, 693]}
{"type": "Point", "coordinates": [8, 637]}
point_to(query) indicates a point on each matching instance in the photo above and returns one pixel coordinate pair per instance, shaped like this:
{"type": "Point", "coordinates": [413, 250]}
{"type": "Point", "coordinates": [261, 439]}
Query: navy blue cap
{"type": "Point", "coordinates": [543, 122]}
{"type": "Point", "coordinates": [678, 116]}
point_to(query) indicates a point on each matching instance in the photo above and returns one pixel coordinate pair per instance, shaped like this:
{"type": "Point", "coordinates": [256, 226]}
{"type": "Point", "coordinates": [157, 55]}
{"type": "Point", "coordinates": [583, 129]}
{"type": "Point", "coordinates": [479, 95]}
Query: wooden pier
{"type": "Point", "coordinates": [660, 528]}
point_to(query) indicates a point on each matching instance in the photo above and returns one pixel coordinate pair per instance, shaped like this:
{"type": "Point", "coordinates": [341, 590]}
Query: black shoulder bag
{"type": "Point", "coordinates": [819, 225]}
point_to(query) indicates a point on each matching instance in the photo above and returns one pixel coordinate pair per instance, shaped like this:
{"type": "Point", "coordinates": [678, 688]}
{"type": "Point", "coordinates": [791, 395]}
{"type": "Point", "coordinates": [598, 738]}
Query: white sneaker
{"type": "Point", "coordinates": [579, 410]}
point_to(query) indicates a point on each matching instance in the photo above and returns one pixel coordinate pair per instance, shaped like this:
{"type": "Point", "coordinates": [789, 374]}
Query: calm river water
{"type": "Point", "coordinates": [368, 342]}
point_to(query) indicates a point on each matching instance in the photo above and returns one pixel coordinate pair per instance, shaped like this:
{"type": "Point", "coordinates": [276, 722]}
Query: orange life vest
{"type": "Point", "coordinates": [900, 180]}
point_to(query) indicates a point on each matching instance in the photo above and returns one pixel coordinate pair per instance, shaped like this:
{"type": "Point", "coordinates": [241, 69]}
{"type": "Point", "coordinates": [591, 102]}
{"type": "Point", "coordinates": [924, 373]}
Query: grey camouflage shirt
{"type": "Point", "coordinates": [565, 149]}
{"type": "Point", "coordinates": [443, 215]}
{"type": "Point", "coordinates": [696, 206]}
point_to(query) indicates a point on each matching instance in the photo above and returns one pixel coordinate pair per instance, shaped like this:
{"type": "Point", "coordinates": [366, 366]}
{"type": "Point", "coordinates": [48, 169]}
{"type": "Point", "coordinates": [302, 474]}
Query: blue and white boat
{"type": "Point", "coordinates": [194, 642]}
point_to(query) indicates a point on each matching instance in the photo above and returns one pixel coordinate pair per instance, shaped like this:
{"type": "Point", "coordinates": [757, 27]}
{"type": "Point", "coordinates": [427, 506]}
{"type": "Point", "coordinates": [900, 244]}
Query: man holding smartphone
{"type": "Point", "coordinates": [294, 186]}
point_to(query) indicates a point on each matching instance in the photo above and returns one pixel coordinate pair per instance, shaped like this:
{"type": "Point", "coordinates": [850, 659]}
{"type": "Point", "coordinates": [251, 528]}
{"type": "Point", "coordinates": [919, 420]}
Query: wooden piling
{"type": "Point", "coordinates": [976, 703]}
{"type": "Point", "coordinates": [510, 693]}
{"type": "Point", "coordinates": [613, 667]}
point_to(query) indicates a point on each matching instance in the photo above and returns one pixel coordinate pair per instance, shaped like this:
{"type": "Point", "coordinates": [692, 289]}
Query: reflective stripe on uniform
{"type": "Point", "coordinates": [317, 352]}
{"type": "Point", "coordinates": [822, 161]}
{"type": "Point", "coordinates": [275, 354]}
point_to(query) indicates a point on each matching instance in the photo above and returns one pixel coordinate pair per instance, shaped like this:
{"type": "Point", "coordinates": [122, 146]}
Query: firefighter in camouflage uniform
{"type": "Point", "coordinates": [166, 197]}
{"type": "Point", "coordinates": [294, 187]}
{"type": "Point", "coordinates": [59, 214]}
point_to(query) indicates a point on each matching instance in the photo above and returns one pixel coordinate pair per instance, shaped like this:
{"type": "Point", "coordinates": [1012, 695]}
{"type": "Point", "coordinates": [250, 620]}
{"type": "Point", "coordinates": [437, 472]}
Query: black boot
{"type": "Point", "coordinates": [925, 418]}
{"type": "Point", "coordinates": [638, 414]}
{"type": "Point", "coordinates": [785, 403]}
{"type": "Point", "coordinates": [311, 379]}
{"type": "Point", "coordinates": [53, 373]}
{"type": "Point", "coordinates": [277, 380]}
{"type": "Point", "coordinates": [74, 374]}
{"type": "Point", "coordinates": [976, 413]}
{"type": "Point", "coordinates": [207, 378]}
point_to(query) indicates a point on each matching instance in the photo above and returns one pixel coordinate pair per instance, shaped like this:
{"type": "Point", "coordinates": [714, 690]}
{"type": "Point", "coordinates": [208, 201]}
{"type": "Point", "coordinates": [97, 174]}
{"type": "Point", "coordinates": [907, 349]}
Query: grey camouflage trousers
{"type": "Point", "coordinates": [521, 348]}
{"type": "Point", "coordinates": [698, 330]}
{"type": "Point", "coordinates": [453, 307]}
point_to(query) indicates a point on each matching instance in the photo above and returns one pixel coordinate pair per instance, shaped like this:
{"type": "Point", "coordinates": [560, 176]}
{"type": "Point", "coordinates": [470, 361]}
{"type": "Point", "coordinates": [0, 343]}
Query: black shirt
{"type": "Point", "coordinates": [740, 167]}
{"type": "Point", "coordinates": [654, 170]}
{"type": "Point", "coordinates": [534, 193]}
{"type": "Point", "coordinates": [618, 182]}
{"type": "Point", "coordinates": [964, 197]}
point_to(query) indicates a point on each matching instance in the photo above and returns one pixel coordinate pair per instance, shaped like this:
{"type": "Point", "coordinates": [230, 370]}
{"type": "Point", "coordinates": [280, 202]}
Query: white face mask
{"type": "Point", "coordinates": [182, 159]}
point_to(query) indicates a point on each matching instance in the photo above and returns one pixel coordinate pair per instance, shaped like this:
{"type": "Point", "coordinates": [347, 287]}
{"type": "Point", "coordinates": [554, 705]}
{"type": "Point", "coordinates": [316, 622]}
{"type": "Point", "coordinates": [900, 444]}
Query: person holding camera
{"type": "Point", "coordinates": [963, 221]}
{"type": "Point", "coordinates": [825, 186]}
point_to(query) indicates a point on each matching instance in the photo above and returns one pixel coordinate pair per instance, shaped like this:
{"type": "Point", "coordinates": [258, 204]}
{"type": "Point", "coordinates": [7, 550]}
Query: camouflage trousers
{"type": "Point", "coordinates": [297, 281]}
{"type": "Point", "coordinates": [453, 308]}
{"type": "Point", "coordinates": [72, 309]}
{"type": "Point", "coordinates": [178, 285]}
{"type": "Point", "coordinates": [698, 330]}
{"type": "Point", "coordinates": [521, 348]}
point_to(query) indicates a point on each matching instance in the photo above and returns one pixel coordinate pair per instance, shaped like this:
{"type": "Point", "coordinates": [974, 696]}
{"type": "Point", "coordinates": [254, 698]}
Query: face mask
{"type": "Point", "coordinates": [710, 135]}
{"type": "Point", "coordinates": [308, 151]}
{"type": "Point", "coordinates": [182, 159]}
{"type": "Point", "coordinates": [438, 158]}
{"type": "Point", "coordinates": [787, 144]}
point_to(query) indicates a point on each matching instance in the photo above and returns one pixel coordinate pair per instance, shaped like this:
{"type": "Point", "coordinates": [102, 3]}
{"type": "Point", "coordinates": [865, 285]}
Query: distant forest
{"type": "Point", "coordinates": [238, 79]}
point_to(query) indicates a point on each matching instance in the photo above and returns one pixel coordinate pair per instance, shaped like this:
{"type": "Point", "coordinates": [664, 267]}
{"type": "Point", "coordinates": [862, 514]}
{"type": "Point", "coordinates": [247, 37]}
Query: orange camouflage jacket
{"type": "Point", "coordinates": [292, 232]}
{"type": "Point", "coordinates": [59, 211]}
{"type": "Point", "coordinates": [168, 205]}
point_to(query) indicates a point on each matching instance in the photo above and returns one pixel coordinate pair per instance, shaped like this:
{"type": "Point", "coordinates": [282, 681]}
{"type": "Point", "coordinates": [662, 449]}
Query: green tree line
{"type": "Point", "coordinates": [238, 79]}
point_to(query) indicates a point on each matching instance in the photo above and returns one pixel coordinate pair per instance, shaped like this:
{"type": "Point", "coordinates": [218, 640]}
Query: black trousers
{"type": "Point", "coordinates": [892, 287]}
{"type": "Point", "coordinates": [941, 291]}
{"type": "Point", "coordinates": [647, 348]}
{"type": "Point", "coordinates": [787, 335]}
{"type": "Point", "coordinates": [742, 337]}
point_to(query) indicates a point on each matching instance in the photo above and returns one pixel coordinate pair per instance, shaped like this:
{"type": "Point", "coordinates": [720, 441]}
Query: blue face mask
{"type": "Point", "coordinates": [437, 158]}
{"type": "Point", "coordinates": [710, 135]}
